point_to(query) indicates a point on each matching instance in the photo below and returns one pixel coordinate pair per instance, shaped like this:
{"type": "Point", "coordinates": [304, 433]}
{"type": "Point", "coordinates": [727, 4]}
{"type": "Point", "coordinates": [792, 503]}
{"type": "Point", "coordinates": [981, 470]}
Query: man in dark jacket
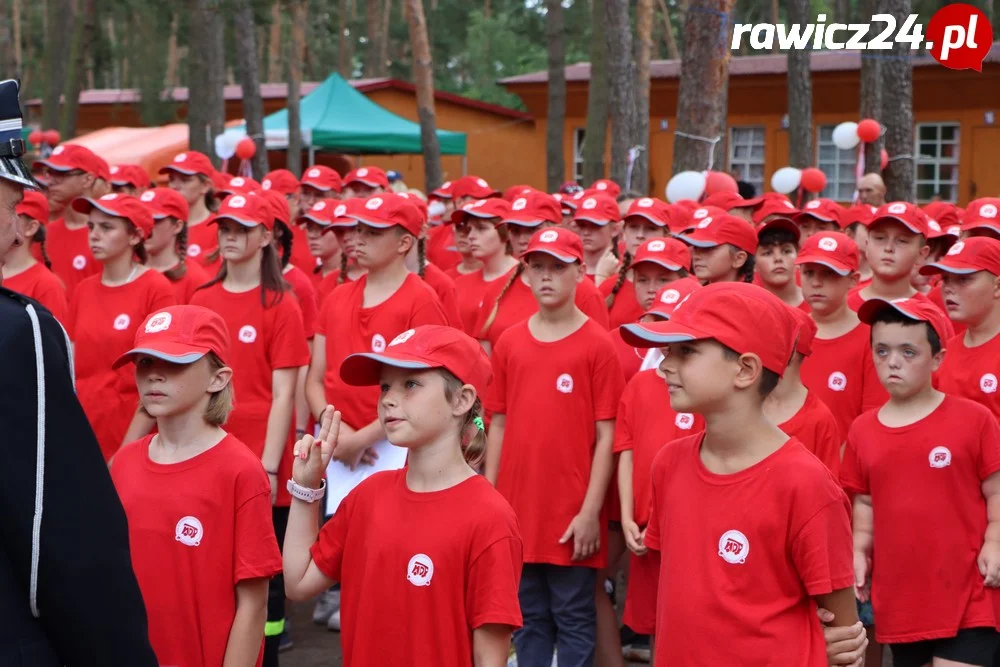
{"type": "Point", "coordinates": [68, 596]}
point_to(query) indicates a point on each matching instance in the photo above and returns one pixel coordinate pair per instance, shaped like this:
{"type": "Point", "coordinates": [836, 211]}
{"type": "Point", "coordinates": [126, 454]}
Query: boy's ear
{"type": "Point", "coordinates": [220, 379]}
{"type": "Point", "coordinates": [854, 277]}
{"type": "Point", "coordinates": [750, 371]}
{"type": "Point", "coordinates": [939, 359]}
{"type": "Point", "coordinates": [740, 258]}
{"type": "Point", "coordinates": [924, 251]}
{"type": "Point", "coordinates": [463, 400]}
{"type": "Point", "coordinates": [581, 272]}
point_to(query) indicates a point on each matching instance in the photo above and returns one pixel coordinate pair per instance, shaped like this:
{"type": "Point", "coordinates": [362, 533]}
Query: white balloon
{"type": "Point", "coordinates": [686, 185]}
{"type": "Point", "coordinates": [786, 180]}
{"type": "Point", "coordinates": [845, 136]}
{"type": "Point", "coordinates": [225, 144]}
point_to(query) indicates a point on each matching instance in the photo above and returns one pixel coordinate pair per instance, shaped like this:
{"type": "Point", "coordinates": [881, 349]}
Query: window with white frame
{"type": "Point", "coordinates": [578, 137]}
{"type": "Point", "coordinates": [746, 155]}
{"type": "Point", "coordinates": [838, 165]}
{"type": "Point", "coordinates": [937, 161]}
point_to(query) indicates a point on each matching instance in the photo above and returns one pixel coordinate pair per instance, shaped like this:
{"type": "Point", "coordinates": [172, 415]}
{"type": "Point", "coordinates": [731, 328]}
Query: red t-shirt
{"type": "Point", "coordinates": [433, 566]}
{"type": "Point", "coordinates": [631, 357]}
{"type": "Point", "coordinates": [262, 340]}
{"type": "Point", "coordinates": [306, 295]}
{"type": "Point", "coordinates": [626, 308]}
{"type": "Point", "coordinates": [818, 431]}
{"type": "Point", "coordinates": [194, 277]}
{"type": "Point", "coordinates": [841, 373]}
{"type": "Point", "coordinates": [301, 257]}
{"type": "Point", "coordinates": [854, 298]}
{"type": "Point", "coordinates": [203, 241]}
{"type": "Point", "coordinates": [349, 328]}
{"type": "Point", "coordinates": [972, 372]}
{"type": "Point", "coordinates": [196, 529]}
{"type": "Point", "coordinates": [325, 286]}
{"type": "Point", "coordinates": [69, 252]}
{"type": "Point", "coordinates": [753, 547]}
{"type": "Point", "coordinates": [646, 423]}
{"type": "Point", "coordinates": [552, 394]}
{"type": "Point", "coordinates": [441, 247]}
{"type": "Point", "coordinates": [470, 288]}
{"type": "Point", "coordinates": [101, 323]}
{"type": "Point", "coordinates": [444, 287]}
{"type": "Point", "coordinates": [518, 304]}
{"type": "Point", "coordinates": [38, 283]}
{"type": "Point", "coordinates": [925, 482]}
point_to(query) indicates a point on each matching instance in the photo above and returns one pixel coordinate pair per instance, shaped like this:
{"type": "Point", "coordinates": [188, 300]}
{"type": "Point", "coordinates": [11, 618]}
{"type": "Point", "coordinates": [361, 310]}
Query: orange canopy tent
{"type": "Point", "coordinates": [148, 147]}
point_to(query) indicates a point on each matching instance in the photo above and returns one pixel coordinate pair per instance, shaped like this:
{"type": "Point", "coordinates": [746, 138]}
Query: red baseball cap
{"type": "Point", "coordinates": [423, 348]}
{"type": "Point", "coordinates": [240, 185]}
{"type": "Point", "coordinates": [180, 335]}
{"type": "Point", "coordinates": [387, 210]}
{"type": "Point", "coordinates": [416, 201]}
{"type": "Point", "coordinates": [947, 215]}
{"type": "Point", "coordinates": [745, 318]}
{"type": "Point", "coordinates": [343, 212]}
{"type": "Point", "coordinates": [164, 203]}
{"type": "Point", "coordinates": [278, 204]}
{"type": "Point", "coordinates": [982, 212]}
{"type": "Point", "coordinates": [784, 223]}
{"type": "Point", "coordinates": [472, 186]}
{"type": "Point", "coordinates": [606, 186]}
{"type": "Point", "coordinates": [976, 253]}
{"type": "Point", "coordinates": [220, 181]}
{"type": "Point", "coordinates": [558, 242]}
{"type": "Point", "coordinates": [129, 174]}
{"type": "Point", "coordinates": [859, 213]}
{"type": "Point", "coordinates": [119, 206]}
{"type": "Point", "coordinates": [713, 227]}
{"type": "Point", "coordinates": [921, 310]}
{"type": "Point", "coordinates": [807, 331]}
{"type": "Point", "coordinates": [322, 178]}
{"type": "Point", "coordinates": [35, 206]}
{"type": "Point", "coordinates": [531, 209]}
{"type": "Point", "coordinates": [682, 218]}
{"type": "Point", "coordinates": [248, 209]}
{"type": "Point", "coordinates": [281, 181]}
{"type": "Point", "coordinates": [190, 163]}
{"type": "Point", "coordinates": [905, 213]}
{"type": "Point", "coordinates": [651, 209]}
{"type": "Point", "coordinates": [669, 296]}
{"type": "Point", "coordinates": [773, 203]}
{"type": "Point", "coordinates": [669, 253]}
{"type": "Point", "coordinates": [515, 191]}
{"type": "Point", "coordinates": [826, 210]}
{"type": "Point", "coordinates": [834, 250]}
{"type": "Point", "coordinates": [728, 200]}
{"type": "Point", "coordinates": [443, 192]}
{"type": "Point", "coordinates": [599, 209]}
{"type": "Point", "coordinates": [494, 207]}
{"type": "Point", "coordinates": [321, 213]}
{"type": "Point", "coordinates": [373, 177]}
{"type": "Point", "coordinates": [70, 157]}
{"type": "Point", "coordinates": [568, 203]}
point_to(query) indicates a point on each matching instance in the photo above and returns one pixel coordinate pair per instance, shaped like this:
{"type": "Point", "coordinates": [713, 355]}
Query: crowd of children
{"type": "Point", "coordinates": [736, 394]}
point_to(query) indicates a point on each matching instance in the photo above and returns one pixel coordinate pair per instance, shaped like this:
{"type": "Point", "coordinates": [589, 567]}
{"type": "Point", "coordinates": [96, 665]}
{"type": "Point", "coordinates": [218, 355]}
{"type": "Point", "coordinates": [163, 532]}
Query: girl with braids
{"type": "Point", "coordinates": [723, 246]}
{"type": "Point", "coordinates": [646, 218]}
{"type": "Point", "coordinates": [191, 173]}
{"type": "Point", "coordinates": [167, 245]}
{"type": "Point", "coordinates": [105, 312]}
{"type": "Point", "coordinates": [21, 271]}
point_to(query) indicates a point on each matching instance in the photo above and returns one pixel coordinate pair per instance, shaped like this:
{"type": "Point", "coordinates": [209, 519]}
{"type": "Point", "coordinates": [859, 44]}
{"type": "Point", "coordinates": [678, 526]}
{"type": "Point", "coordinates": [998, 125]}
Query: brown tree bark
{"type": "Point", "coordinates": [57, 53]}
{"type": "Point", "coordinates": [598, 93]}
{"type": "Point", "coordinates": [668, 32]}
{"type": "Point", "coordinates": [206, 77]}
{"type": "Point", "coordinates": [274, 43]}
{"type": "Point", "coordinates": [345, 43]}
{"type": "Point", "coordinates": [871, 95]}
{"type": "Point", "coordinates": [18, 52]}
{"type": "Point", "coordinates": [83, 37]}
{"type": "Point", "coordinates": [800, 126]}
{"type": "Point", "coordinates": [253, 105]}
{"type": "Point", "coordinates": [622, 77]}
{"type": "Point", "coordinates": [384, 46]}
{"type": "Point", "coordinates": [555, 38]}
{"type": "Point", "coordinates": [173, 53]}
{"type": "Point", "coordinates": [297, 44]}
{"type": "Point", "coordinates": [644, 45]}
{"type": "Point", "coordinates": [701, 99]}
{"type": "Point", "coordinates": [423, 79]}
{"type": "Point", "coordinates": [842, 11]}
{"type": "Point", "coordinates": [897, 111]}
{"type": "Point", "coordinates": [374, 63]}
{"type": "Point", "coordinates": [776, 19]}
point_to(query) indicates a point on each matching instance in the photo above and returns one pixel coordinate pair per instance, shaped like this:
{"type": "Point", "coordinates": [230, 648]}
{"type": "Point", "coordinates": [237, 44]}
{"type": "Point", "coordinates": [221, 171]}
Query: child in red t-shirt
{"type": "Point", "coordinates": [723, 246]}
{"type": "Point", "coordinates": [196, 498]}
{"type": "Point", "coordinates": [323, 245]}
{"type": "Point", "coordinates": [190, 173]}
{"type": "Point", "coordinates": [753, 531]}
{"type": "Point", "coordinates": [431, 548]}
{"type": "Point", "coordinates": [925, 460]}
{"type": "Point", "coordinates": [167, 245]}
{"type": "Point", "coordinates": [596, 220]}
{"type": "Point", "coordinates": [777, 248]}
{"type": "Point", "coordinates": [105, 312]}
{"type": "Point", "coordinates": [558, 362]}
{"type": "Point", "coordinates": [21, 271]}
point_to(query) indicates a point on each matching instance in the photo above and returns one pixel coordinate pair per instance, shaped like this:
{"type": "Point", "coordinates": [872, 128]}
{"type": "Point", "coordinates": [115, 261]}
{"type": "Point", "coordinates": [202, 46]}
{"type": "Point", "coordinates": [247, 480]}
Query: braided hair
{"type": "Point", "coordinates": [180, 244]}
{"type": "Point", "coordinates": [622, 274]}
{"type": "Point", "coordinates": [284, 235]}
{"type": "Point", "coordinates": [342, 276]}
{"type": "Point", "coordinates": [496, 304]}
{"type": "Point", "coordinates": [39, 238]}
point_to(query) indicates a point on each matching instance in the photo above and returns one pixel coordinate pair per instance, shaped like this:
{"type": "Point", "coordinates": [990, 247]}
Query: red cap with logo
{"type": "Point", "coordinates": [165, 203]}
{"type": "Point", "coordinates": [35, 206]}
{"type": "Point", "coordinates": [241, 185]}
{"type": "Point", "coordinates": [249, 210]}
{"type": "Point", "coordinates": [344, 210]}
{"type": "Point", "coordinates": [494, 207]}
{"type": "Point", "coordinates": [807, 331]}
{"type": "Point", "coordinates": [838, 252]}
{"type": "Point", "coordinates": [180, 335]}
{"type": "Point", "coordinates": [416, 201]}
{"type": "Point", "coordinates": [220, 181]}
{"type": "Point", "coordinates": [859, 213]}
{"type": "Point", "coordinates": [515, 191]}
{"type": "Point", "coordinates": [443, 192]}
{"type": "Point", "coordinates": [531, 209]}
{"type": "Point", "coordinates": [728, 200]}
{"type": "Point", "coordinates": [322, 178]}
{"type": "Point", "coordinates": [905, 213]}
{"type": "Point", "coordinates": [383, 211]}
{"type": "Point", "coordinates": [825, 210]}
{"type": "Point", "coordinates": [921, 310]}
{"type": "Point", "coordinates": [786, 224]}
{"type": "Point", "coordinates": [598, 209]}
{"type": "Point", "coordinates": [423, 348]}
{"type": "Point", "coordinates": [569, 202]}
{"type": "Point", "coordinates": [606, 186]}
{"type": "Point", "coordinates": [774, 203]}
{"type": "Point", "coordinates": [558, 242]}
{"type": "Point", "coordinates": [373, 177]}
{"type": "Point", "coordinates": [982, 212]}
{"type": "Point", "coordinates": [976, 253]}
{"type": "Point", "coordinates": [714, 227]}
{"type": "Point", "coordinates": [946, 215]}
{"type": "Point", "coordinates": [281, 181]}
{"type": "Point", "coordinates": [71, 157]}
{"type": "Point", "coordinates": [669, 253]}
{"type": "Point", "coordinates": [671, 294]}
{"type": "Point", "coordinates": [190, 163]}
{"type": "Point", "coordinates": [472, 186]}
{"type": "Point", "coordinates": [682, 218]}
{"type": "Point", "coordinates": [321, 213]}
{"type": "Point", "coordinates": [651, 209]}
{"type": "Point", "coordinates": [129, 174]}
{"type": "Point", "coordinates": [119, 206]}
{"type": "Point", "coordinates": [278, 204]}
{"type": "Point", "coordinates": [745, 318]}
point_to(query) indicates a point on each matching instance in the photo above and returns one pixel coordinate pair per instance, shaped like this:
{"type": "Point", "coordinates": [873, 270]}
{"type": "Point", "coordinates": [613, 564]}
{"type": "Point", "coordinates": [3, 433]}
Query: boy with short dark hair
{"type": "Point", "coordinates": [777, 248]}
{"type": "Point", "coordinates": [925, 461]}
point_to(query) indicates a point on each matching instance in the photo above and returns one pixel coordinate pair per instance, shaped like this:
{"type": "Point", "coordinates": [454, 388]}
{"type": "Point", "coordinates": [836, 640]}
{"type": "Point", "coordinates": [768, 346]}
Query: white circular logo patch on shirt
{"type": "Point", "coordinates": [189, 531]}
{"type": "Point", "coordinates": [420, 570]}
{"type": "Point", "coordinates": [247, 334]}
{"type": "Point", "coordinates": [194, 250]}
{"type": "Point", "coordinates": [564, 383]}
{"type": "Point", "coordinates": [403, 337]}
{"type": "Point", "coordinates": [988, 383]}
{"type": "Point", "coordinates": [828, 243]}
{"type": "Point", "coordinates": [159, 322]}
{"type": "Point", "coordinates": [734, 547]}
{"type": "Point", "coordinates": [122, 322]}
{"type": "Point", "coordinates": [378, 343]}
{"type": "Point", "coordinates": [987, 211]}
{"type": "Point", "coordinates": [837, 381]}
{"type": "Point", "coordinates": [657, 246]}
{"type": "Point", "coordinates": [684, 420]}
{"type": "Point", "coordinates": [940, 457]}
{"type": "Point", "coordinates": [79, 262]}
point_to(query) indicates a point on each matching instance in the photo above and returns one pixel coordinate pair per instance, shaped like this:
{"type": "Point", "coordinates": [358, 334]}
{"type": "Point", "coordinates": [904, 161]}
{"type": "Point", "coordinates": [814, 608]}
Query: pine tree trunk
{"type": "Point", "coordinates": [842, 11]}
{"type": "Point", "coordinates": [384, 46]}
{"type": "Point", "coordinates": [776, 19]}
{"type": "Point", "coordinates": [423, 79]}
{"type": "Point", "coordinates": [800, 130]}
{"type": "Point", "coordinates": [345, 54]}
{"type": "Point", "coordinates": [596, 132]}
{"type": "Point", "coordinates": [897, 111]}
{"type": "Point", "coordinates": [83, 36]}
{"type": "Point", "coordinates": [206, 77]}
{"type": "Point", "coordinates": [555, 38]}
{"type": "Point", "coordinates": [622, 77]}
{"type": "Point", "coordinates": [274, 43]}
{"type": "Point", "coordinates": [18, 52]}
{"type": "Point", "coordinates": [668, 32]}
{"type": "Point", "coordinates": [644, 45]}
{"type": "Point", "coordinates": [871, 95]}
{"type": "Point", "coordinates": [701, 99]}
{"type": "Point", "coordinates": [173, 53]}
{"type": "Point", "coordinates": [374, 65]}
{"type": "Point", "coordinates": [253, 105]}
{"type": "Point", "coordinates": [300, 10]}
{"type": "Point", "coordinates": [60, 22]}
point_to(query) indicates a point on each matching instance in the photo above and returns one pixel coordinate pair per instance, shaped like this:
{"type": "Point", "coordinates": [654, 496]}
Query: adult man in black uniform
{"type": "Point", "coordinates": [68, 595]}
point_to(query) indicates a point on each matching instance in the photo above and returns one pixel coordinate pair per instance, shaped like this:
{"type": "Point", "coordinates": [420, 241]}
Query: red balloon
{"type": "Point", "coordinates": [813, 180]}
{"type": "Point", "coordinates": [884, 159]}
{"type": "Point", "coordinates": [869, 130]}
{"type": "Point", "coordinates": [51, 137]}
{"type": "Point", "coordinates": [246, 148]}
{"type": "Point", "coordinates": [717, 181]}
{"type": "Point", "coordinates": [36, 137]}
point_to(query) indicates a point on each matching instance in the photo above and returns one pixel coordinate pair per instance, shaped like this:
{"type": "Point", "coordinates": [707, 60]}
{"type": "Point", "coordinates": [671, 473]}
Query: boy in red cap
{"type": "Point", "coordinates": [470, 188]}
{"type": "Point", "coordinates": [365, 182]}
{"type": "Point", "coordinates": [529, 213]}
{"type": "Point", "coordinates": [773, 205]}
{"type": "Point", "coordinates": [774, 261]}
{"type": "Point", "coordinates": [196, 498]}
{"type": "Point", "coordinates": [20, 269]}
{"type": "Point", "coordinates": [820, 215]}
{"type": "Point", "coordinates": [596, 221]}
{"type": "Point", "coordinates": [319, 182]}
{"type": "Point", "coordinates": [733, 204]}
{"type": "Point", "coordinates": [191, 174]}
{"type": "Point", "coordinates": [929, 459]}
{"type": "Point", "coordinates": [129, 179]}
{"type": "Point", "coordinates": [723, 246]}
{"type": "Point", "coordinates": [758, 526]}
{"type": "Point", "coordinates": [982, 218]}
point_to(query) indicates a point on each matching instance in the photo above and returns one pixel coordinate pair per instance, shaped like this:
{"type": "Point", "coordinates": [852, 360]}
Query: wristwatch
{"type": "Point", "coordinates": [304, 493]}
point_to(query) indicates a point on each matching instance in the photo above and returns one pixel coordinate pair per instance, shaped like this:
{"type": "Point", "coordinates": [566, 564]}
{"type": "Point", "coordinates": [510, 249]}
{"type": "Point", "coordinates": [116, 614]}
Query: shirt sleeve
{"type": "Point", "coordinates": [593, 307]}
{"type": "Point", "coordinates": [328, 551]}
{"type": "Point", "coordinates": [623, 426]}
{"type": "Point", "coordinates": [989, 445]}
{"type": "Point", "coordinates": [874, 394]}
{"type": "Point", "coordinates": [428, 311]}
{"type": "Point", "coordinates": [306, 295]}
{"type": "Point", "coordinates": [54, 298]}
{"type": "Point", "coordinates": [496, 395]}
{"type": "Point", "coordinates": [161, 296]}
{"type": "Point", "coordinates": [823, 549]}
{"type": "Point", "coordinates": [652, 537]}
{"type": "Point", "coordinates": [491, 596]}
{"type": "Point", "coordinates": [256, 554]}
{"type": "Point", "coordinates": [608, 382]}
{"type": "Point", "coordinates": [853, 471]}
{"type": "Point", "coordinates": [828, 441]}
{"type": "Point", "coordinates": [288, 348]}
